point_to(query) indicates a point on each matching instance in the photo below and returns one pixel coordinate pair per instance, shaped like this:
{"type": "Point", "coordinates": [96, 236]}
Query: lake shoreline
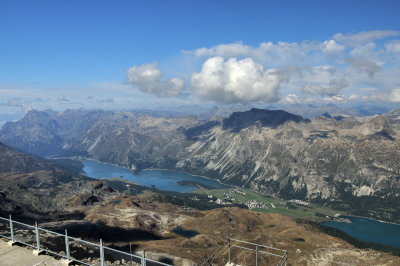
{"type": "Point", "coordinates": [367, 230]}
{"type": "Point", "coordinates": [160, 179]}
{"type": "Point", "coordinates": [80, 158]}
{"type": "Point", "coordinates": [357, 216]}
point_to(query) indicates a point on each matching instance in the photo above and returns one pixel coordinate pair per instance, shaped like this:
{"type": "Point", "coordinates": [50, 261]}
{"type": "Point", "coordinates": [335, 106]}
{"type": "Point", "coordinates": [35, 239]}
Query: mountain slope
{"type": "Point", "coordinates": [350, 163]}
{"type": "Point", "coordinates": [24, 169]}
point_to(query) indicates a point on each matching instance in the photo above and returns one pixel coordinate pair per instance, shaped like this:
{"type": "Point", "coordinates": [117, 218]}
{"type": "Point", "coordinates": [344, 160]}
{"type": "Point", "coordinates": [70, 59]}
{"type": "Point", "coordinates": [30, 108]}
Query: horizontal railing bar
{"type": "Point", "coordinates": [254, 244]}
{"type": "Point", "coordinates": [83, 241]}
{"type": "Point", "coordinates": [269, 253]}
{"type": "Point", "coordinates": [159, 262]}
{"type": "Point", "coordinates": [82, 262]}
{"type": "Point", "coordinates": [27, 225]}
{"type": "Point", "coordinates": [122, 252]}
{"type": "Point", "coordinates": [50, 232]}
{"type": "Point", "coordinates": [243, 247]}
{"type": "Point", "coordinates": [259, 251]}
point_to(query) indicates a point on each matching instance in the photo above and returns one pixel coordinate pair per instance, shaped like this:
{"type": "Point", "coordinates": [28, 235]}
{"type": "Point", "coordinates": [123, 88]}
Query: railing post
{"type": "Point", "coordinates": [285, 257]}
{"type": "Point", "coordinates": [257, 255]}
{"type": "Point", "coordinates": [11, 229]}
{"type": "Point", "coordinates": [144, 258]}
{"type": "Point", "coordinates": [229, 251]}
{"type": "Point", "coordinates": [101, 253]}
{"type": "Point", "coordinates": [67, 245]}
{"type": "Point", "coordinates": [37, 237]}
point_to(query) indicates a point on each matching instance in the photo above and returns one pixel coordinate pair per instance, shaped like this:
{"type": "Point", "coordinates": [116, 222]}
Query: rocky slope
{"type": "Point", "coordinates": [92, 210]}
{"type": "Point", "coordinates": [350, 163]}
{"type": "Point", "coordinates": [28, 170]}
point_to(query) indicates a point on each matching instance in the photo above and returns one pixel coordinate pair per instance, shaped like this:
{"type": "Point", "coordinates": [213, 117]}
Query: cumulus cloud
{"type": "Point", "coordinates": [364, 65]}
{"type": "Point", "coordinates": [393, 46]}
{"type": "Point", "coordinates": [233, 80]}
{"type": "Point", "coordinates": [364, 37]}
{"type": "Point", "coordinates": [386, 96]}
{"type": "Point", "coordinates": [147, 78]}
{"type": "Point", "coordinates": [304, 52]}
{"type": "Point", "coordinates": [236, 72]}
{"type": "Point", "coordinates": [278, 54]}
{"type": "Point", "coordinates": [330, 46]}
{"type": "Point", "coordinates": [332, 88]}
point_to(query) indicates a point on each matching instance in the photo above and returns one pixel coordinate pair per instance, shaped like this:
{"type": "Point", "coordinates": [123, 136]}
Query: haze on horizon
{"type": "Point", "coordinates": [161, 55]}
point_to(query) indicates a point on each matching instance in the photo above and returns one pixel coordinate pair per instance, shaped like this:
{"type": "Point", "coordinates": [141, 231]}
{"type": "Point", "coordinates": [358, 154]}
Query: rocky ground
{"type": "Point", "coordinates": [92, 210]}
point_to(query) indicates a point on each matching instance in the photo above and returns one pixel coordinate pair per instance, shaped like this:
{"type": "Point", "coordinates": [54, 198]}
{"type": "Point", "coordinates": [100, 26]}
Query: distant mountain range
{"type": "Point", "coordinates": [349, 162]}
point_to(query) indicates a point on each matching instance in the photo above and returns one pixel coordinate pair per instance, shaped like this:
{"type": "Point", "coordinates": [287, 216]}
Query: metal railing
{"type": "Point", "coordinates": [254, 254]}
{"type": "Point", "coordinates": [69, 248]}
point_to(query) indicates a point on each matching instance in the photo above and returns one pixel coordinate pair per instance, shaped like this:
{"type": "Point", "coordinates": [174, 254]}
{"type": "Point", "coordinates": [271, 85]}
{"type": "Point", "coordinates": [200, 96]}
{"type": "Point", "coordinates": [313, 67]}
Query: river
{"type": "Point", "coordinates": [160, 179]}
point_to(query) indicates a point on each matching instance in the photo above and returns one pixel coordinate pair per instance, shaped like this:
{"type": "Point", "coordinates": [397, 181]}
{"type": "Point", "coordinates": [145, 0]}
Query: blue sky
{"type": "Point", "coordinates": [71, 54]}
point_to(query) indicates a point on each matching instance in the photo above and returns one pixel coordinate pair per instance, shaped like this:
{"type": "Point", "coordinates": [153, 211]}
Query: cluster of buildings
{"type": "Point", "coordinates": [298, 202]}
{"type": "Point", "coordinates": [252, 204]}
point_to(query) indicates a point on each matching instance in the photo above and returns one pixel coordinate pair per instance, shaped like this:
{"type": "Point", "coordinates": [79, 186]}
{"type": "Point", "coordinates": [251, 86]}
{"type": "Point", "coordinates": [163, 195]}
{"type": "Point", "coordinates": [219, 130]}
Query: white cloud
{"type": "Point", "coordinates": [147, 78]}
{"type": "Point", "coordinates": [330, 46]}
{"type": "Point", "coordinates": [291, 99]}
{"type": "Point", "coordinates": [344, 64]}
{"type": "Point", "coordinates": [321, 80]}
{"type": "Point", "coordinates": [364, 65]}
{"type": "Point", "coordinates": [393, 46]}
{"type": "Point", "coordinates": [108, 100]}
{"type": "Point", "coordinates": [364, 37]}
{"type": "Point", "coordinates": [395, 95]}
{"type": "Point", "coordinates": [354, 97]}
{"type": "Point", "coordinates": [332, 88]}
{"type": "Point", "coordinates": [17, 104]}
{"type": "Point", "coordinates": [62, 99]}
{"type": "Point", "coordinates": [236, 80]}
{"type": "Point", "coordinates": [226, 50]}
{"type": "Point", "coordinates": [279, 54]}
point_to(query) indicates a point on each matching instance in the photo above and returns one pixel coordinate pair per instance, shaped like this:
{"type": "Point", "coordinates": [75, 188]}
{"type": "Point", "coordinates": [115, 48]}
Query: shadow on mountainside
{"type": "Point", "coordinates": [266, 118]}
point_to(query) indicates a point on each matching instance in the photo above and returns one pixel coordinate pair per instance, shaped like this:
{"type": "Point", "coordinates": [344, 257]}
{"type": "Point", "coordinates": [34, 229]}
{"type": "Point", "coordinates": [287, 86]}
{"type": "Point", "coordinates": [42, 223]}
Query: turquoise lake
{"type": "Point", "coordinates": [369, 230]}
{"type": "Point", "coordinates": [159, 179]}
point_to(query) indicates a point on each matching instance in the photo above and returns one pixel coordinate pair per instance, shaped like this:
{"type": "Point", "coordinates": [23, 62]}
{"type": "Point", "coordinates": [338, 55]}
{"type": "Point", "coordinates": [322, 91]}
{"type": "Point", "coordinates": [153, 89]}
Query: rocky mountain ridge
{"type": "Point", "coordinates": [351, 162]}
{"type": "Point", "coordinates": [24, 169]}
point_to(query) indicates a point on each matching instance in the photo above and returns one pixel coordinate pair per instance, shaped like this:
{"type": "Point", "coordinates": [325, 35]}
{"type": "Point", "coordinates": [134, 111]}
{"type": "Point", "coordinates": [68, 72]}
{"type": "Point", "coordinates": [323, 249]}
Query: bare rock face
{"type": "Point", "coordinates": [352, 162]}
{"type": "Point", "coordinates": [346, 161]}
{"type": "Point", "coordinates": [265, 118]}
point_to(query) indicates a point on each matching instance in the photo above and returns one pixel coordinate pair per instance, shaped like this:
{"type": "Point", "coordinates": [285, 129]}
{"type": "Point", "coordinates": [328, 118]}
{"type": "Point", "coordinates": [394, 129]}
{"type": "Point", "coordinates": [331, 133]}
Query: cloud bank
{"type": "Point", "coordinates": [361, 67]}
{"type": "Point", "coordinates": [345, 64]}
{"type": "Point", "coordinates": [147, 78]}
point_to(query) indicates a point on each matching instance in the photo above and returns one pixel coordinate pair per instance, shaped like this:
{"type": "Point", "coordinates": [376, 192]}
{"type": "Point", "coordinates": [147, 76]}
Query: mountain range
{"type": "Point", "coordinates": [345, 161]}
